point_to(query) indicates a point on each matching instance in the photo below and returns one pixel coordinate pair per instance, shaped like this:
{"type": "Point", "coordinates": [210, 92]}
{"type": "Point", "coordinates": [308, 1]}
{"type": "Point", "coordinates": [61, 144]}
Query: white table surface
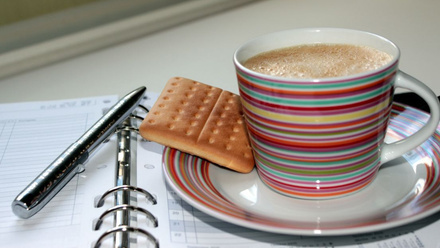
{"type": "Point", "coordinates": [202, 49]}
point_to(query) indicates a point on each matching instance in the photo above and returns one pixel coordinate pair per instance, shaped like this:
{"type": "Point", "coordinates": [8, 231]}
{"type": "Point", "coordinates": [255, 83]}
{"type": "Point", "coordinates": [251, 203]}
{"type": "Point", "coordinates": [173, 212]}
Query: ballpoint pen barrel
{"type": "Point", "coordinates": [43, 188]}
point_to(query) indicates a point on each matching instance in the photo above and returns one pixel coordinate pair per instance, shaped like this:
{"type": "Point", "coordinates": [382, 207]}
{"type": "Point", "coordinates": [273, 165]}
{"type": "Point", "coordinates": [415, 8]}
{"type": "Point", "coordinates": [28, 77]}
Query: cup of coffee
{"type": "Point", "coordinates": [317, 104]}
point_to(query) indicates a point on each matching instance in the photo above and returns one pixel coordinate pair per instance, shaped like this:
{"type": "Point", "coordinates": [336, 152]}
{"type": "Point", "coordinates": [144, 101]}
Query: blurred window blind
{"type": "Point", "coordinates": [34, 33]}
{"type": "Point", "coordinates": [28, 22]}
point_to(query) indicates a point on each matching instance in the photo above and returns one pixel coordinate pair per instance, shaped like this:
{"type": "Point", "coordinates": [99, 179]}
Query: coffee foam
{"type": "Point", "coordinates": [318, 61]}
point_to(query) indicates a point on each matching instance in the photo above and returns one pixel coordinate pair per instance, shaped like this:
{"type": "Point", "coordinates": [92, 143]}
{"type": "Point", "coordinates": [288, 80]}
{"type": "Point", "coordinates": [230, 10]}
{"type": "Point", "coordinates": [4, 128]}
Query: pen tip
{"type": "Point", "coordinates": [142, 89]}
{"type": "Point", "coordinates": [137, 92]}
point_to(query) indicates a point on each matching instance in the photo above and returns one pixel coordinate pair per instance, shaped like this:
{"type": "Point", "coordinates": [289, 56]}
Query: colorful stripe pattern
{"type": "Point", "coordinates": [317, 139]}
{"type": "Point", "coordinates": [190, 177]}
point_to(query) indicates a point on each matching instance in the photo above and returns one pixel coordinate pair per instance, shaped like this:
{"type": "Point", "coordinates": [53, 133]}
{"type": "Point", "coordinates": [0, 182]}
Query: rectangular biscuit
{"type": "Point", "coordinates": [202, 120]}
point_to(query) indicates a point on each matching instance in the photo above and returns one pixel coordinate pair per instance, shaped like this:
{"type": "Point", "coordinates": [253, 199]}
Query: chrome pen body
{"type": "Point", "coordinates": [43, 188]}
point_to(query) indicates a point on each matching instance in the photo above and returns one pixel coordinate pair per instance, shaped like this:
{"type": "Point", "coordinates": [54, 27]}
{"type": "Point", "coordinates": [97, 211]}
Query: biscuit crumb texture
{"type": "Point", "coordinates": [202, 120]}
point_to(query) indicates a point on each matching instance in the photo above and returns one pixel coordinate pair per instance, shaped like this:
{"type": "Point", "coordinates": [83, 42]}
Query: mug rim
{"type": "Point", "coordinates": [239, 66]}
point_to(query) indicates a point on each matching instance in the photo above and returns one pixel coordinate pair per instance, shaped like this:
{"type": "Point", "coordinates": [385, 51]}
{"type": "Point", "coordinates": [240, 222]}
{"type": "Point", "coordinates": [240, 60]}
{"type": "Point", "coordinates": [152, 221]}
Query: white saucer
{"type": "Point", "coordinates": [405, 190]}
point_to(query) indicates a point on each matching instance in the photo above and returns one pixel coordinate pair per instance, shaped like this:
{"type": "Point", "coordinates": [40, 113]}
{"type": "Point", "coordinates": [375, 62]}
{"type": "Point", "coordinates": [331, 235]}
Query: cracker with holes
{"type": "Point", "coordinates": [201, 120]}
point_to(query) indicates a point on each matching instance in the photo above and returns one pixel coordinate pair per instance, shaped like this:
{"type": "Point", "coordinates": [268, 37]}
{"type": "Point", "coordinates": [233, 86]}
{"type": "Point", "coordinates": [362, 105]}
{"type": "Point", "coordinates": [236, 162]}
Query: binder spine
{"type": "Point", "coordinates": [125, 211]}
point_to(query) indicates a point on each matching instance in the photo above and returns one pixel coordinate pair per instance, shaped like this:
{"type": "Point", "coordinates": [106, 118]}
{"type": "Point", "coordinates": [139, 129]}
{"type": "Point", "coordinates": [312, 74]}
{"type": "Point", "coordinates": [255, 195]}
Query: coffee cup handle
{"type": "Point", "coordinates": [398, 148]}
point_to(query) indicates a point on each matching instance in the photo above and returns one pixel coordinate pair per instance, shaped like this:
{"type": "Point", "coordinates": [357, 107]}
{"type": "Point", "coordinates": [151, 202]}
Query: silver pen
{"type": "Point", "coordinates": [43, 188]}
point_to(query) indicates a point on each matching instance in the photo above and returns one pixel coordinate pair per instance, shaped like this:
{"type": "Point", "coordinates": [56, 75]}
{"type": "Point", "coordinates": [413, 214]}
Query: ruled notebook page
{"type": "Point", "coordinates": [32, 135]}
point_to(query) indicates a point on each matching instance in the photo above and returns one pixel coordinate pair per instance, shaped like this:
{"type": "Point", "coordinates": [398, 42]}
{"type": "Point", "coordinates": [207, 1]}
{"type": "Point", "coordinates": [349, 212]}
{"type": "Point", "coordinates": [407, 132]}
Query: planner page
{"type": "Point", "coordinates": [32, 135]}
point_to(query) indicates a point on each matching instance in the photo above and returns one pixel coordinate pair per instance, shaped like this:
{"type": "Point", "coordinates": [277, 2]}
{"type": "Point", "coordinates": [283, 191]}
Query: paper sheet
{"type": "Point", "coordinates": [32, 135]}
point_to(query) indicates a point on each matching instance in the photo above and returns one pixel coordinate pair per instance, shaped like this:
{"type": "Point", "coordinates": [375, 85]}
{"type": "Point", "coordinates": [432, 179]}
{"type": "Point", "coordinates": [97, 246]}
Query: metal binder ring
{"type": "Point", "coordinates": [126, 128]}
{"type": "Point", "coordinates": [126, 229]}
{"type": "Point", "coordinates": [97, 224]}
{"type": "Point", "coordinates": [99, 202]}
{"type": "Point", "coordinates": [144, 108]}
{"type": "Point", "coordinates": [137, 117]}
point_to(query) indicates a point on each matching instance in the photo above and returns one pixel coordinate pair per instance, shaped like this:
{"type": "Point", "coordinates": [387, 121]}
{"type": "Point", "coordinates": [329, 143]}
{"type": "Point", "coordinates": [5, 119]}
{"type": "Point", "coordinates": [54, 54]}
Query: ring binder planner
{"type": "Point", "coordinates": [125, 209]}
{"type": "Point", "coordinates": [67, 220]}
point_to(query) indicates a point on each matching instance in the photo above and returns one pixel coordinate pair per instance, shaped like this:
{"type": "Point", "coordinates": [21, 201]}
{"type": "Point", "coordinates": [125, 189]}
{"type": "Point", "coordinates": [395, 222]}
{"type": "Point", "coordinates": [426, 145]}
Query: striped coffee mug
{"type": "Point", "coordinates": [324, 138]}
